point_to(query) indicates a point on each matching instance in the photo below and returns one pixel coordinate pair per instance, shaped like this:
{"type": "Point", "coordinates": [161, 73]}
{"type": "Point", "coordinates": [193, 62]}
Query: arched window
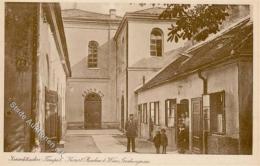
{"type": "Point", "coordinates": [156, 42]}
{"type": "Point", "coordinates": [92, 54]}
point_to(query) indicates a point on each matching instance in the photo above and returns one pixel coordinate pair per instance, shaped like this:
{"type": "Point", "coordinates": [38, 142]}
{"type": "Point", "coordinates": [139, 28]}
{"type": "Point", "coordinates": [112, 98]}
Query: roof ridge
{"type": "Point", "coordinates": [86, 11]}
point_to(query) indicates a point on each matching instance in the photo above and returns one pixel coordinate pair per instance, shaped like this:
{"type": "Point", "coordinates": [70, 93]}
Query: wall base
{"type": "Point", "coordinates": [222, 145]}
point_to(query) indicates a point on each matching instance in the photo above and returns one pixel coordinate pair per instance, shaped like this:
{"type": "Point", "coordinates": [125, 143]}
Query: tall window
{"type": "Point", "coordinates": [92, 54]}
{"type": "Point", "coordinates": [156, 42]}
{"type": "Point", "coordinates": [145, 112]}
{"type": "Point", "coordinates": [170, 107]}
{"type": "Point", "coordinates": [154, 112]}
{"type": "Point", "coordinates": [217, 112]}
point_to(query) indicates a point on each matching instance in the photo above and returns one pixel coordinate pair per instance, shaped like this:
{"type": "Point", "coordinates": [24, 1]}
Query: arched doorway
{"type": "Point", "coordinates": [92, 111]}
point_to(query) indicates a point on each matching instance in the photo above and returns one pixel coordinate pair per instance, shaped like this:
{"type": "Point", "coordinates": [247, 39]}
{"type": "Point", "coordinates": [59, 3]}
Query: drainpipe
{"type": "Point", "coordinates": [204, 133]}
{"type": "Point", "coordinates": [205, 83]}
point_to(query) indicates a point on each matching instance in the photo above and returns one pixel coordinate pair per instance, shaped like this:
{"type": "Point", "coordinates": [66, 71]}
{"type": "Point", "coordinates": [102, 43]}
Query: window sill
{"type": "Point", "coordinates": [217, 134]}
{"type": "Point", "coordinates": [93, 68]}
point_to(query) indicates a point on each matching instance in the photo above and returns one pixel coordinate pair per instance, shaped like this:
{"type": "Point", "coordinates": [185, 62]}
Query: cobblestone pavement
{"type": "Point", "coordinates": [104, 141]}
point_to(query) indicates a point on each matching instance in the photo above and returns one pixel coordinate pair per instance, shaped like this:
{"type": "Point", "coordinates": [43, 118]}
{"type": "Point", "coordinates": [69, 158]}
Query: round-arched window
{"type": "Point", "coordinates": [156, 39]}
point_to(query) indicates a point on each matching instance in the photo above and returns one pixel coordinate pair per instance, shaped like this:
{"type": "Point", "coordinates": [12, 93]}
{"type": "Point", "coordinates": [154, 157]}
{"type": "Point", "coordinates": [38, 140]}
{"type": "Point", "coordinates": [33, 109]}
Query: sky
{"type": "Point", "coordinates": [121, 8]}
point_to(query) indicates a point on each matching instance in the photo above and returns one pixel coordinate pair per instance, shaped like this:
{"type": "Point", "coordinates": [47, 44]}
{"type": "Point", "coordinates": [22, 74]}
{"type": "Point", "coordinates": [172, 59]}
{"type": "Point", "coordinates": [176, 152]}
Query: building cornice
{"type": "Point", "coordinates": [87, 21]}
{"type": "Point", "coordinates": [143, 69]}
{"type": "Point", "coordinates": [80, 79]}
{"type": "Point", "coordinates": [53, 13]}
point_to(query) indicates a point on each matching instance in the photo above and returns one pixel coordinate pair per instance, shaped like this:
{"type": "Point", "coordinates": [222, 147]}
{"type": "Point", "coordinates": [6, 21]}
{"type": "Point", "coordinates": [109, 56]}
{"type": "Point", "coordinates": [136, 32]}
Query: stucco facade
{"type": "Point", "coordinates": [80, 31]}
{"type": "Point", "coordinates": [224, 78]}
{"type": "Point", "coordinates": [135, 65]}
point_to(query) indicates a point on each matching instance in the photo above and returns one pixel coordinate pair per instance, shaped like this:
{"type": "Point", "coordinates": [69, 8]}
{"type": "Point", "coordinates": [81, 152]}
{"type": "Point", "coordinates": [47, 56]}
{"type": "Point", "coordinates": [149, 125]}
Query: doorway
{"type": "Point", "coordinates": [196, 111]}
{"type": "Point", "coordinates": [92, 111]}
{"type": "Point", "coordinates": [182, 117]}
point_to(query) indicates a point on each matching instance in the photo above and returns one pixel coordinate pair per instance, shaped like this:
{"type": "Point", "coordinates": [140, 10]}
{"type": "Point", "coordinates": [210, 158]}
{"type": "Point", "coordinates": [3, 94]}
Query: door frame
{"type": "Point", "coordinates": [201, 124]}
{"type": "Point", "coordinates": [85, 111]}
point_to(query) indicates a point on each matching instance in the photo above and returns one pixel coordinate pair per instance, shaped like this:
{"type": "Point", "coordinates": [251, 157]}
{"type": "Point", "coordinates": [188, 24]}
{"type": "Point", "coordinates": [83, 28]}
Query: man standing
{"type": "Point", "coordinates": [131, 130]}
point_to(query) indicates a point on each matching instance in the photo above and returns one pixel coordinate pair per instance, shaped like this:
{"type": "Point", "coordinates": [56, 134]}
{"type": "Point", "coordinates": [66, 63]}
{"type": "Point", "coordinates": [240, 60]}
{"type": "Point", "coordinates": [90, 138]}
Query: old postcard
{"type": "Point", "coordinates": [129, 83]}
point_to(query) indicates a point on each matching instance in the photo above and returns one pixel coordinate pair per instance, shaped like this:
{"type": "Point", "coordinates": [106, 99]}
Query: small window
{"type": "Point", "coordinates": [217, 112]}
{"type": "Point", "coordinates": [170, 107]}
{"type": "Point", "coordinates": [154, 112]}
{"type": "Point", "coordinates": [156, 42]}
{"type": "Point", "coordinates": [145, 112]}
{"type": "Point", "coordinates": [92, 54]}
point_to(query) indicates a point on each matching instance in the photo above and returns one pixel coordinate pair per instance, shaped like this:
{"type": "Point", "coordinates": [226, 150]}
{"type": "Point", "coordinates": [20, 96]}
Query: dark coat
{"type": "Point", "coordinates": [157, 140]}
{"type": "Point", "coordinates": [164, 139]}
{"type": "Point", "coordinates": [131, 128]}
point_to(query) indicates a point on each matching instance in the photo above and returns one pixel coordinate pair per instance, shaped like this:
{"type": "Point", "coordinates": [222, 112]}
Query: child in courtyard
{"type": "Point", "coordinates": [157, 141]}
{"type": "Point", "coordinates": [164, 140]}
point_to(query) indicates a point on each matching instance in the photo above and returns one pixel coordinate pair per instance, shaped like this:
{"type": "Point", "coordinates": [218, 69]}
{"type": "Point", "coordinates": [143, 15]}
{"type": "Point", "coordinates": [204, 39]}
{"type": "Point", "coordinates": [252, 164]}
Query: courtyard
{"type": "Point", "coordinates": [104, 141]}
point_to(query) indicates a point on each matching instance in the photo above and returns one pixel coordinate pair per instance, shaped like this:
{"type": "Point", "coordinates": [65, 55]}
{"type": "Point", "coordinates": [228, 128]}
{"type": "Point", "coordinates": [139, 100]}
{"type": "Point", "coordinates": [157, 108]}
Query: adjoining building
{"type": "Point", "coordinates": [36, 70]}
{"type": "Point", "coordinates": [211, 84]}
{"type": "Point", "coordinates": [141, 51]}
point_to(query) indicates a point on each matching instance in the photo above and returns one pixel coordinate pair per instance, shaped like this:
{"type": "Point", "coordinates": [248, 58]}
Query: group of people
{"type": "Point", "coordinates": [160, 139]}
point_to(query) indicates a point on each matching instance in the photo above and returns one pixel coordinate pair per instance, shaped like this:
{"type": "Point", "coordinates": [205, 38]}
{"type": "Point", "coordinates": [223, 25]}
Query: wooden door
{"type": "Point", "coordinates": [51, 117]}
{"type": "Point", "coordinates": [92, 115]}
{"type": "Point", "coordinates": [196, 111]}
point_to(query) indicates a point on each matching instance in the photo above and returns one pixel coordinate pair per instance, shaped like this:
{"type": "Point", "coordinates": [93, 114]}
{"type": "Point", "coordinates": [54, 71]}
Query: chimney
{"type": "Point", "coordinates": [143, 80]}
{"type": "Point", "coordinates": [112, 13]}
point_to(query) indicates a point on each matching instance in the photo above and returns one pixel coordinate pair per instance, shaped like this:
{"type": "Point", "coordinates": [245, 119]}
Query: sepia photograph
{"type": "Point", "coordinates": [128, 77]}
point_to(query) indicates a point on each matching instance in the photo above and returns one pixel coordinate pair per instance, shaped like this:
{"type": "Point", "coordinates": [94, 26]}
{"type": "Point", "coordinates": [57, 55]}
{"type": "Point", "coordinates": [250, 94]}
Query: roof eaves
{"type": "Point", "coordinates": [237, 24]}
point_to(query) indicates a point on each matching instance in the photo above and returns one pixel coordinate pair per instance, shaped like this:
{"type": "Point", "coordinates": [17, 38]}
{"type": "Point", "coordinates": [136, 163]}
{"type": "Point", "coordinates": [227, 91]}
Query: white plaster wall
{"type": "Point", "coordinates": [59, 78]}
{"type": "Point", "coordinates": [103, 78]}
{"type": "Point", "coordinates": [121, 61]}
{"type": "Point", "coordinates": [51, 76]}
{"type": "Point", "coordinates": [78, 37]}
{"type": "Point", "coordinates": [226, 78]}
{"type": "Point", "coordinates": [221, 78]}
{"type": "Point", "coordinates": [75, 102]}
{"type": "Point", "coordinates": [139, 39]}
{"type": "Point", "coordinates": [135, 79]}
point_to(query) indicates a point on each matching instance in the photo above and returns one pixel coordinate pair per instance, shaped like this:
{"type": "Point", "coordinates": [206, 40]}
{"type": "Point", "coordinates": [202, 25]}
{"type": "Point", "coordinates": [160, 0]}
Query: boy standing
{"type": "Point", "coordinates": [164, 140]}
{"type": "Point", "coordinates": [157, 141]}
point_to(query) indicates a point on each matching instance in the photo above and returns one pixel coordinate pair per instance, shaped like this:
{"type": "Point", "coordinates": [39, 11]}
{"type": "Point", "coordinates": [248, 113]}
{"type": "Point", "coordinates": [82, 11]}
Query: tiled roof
{"type": "Point", "coordinates": [158, 62]}
{"type": "Point", "coordinates": [78, 13]}
{"type": "Point", "coordinates": [209, 53]}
